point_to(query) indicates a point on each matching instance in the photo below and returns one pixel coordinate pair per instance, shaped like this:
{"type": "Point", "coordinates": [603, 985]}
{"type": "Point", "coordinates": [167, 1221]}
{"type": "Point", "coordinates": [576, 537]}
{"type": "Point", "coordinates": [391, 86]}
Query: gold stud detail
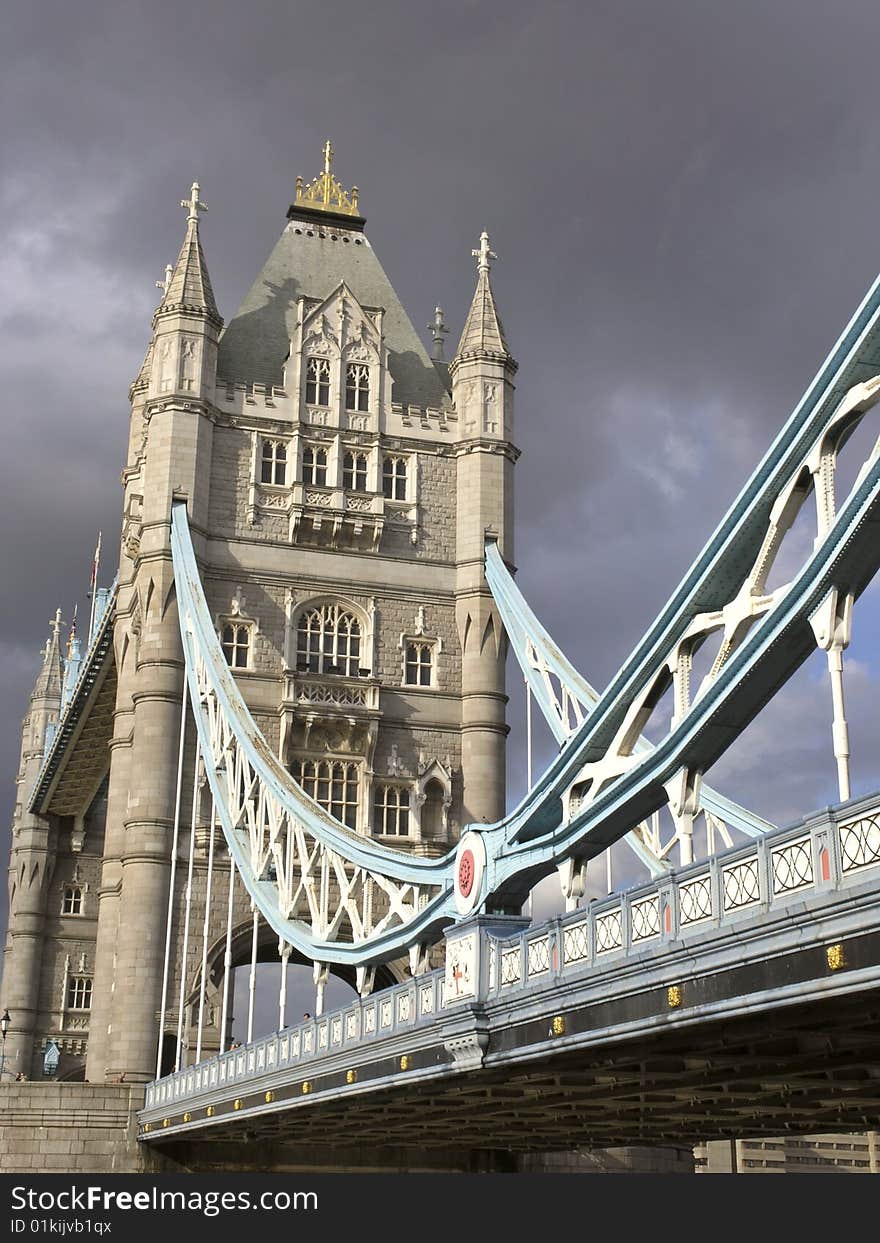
{"type": "Point", "coordinates": [557, 1027]}
{"type": "Point", "coordinates": [673, 996]}
{"type": "Point", "coordinates": [209, 1112]}
{"type": "Point", "coordinates": [306, 1087]}
{"type": "Point", "coordinates": [404, 1062]}
{"type": "Point", "coordinates": [269, 1098]}
{"type": "Point", "coordinates": [836, 957]}
{"type": "Point", "coordinates": [351, 1076]}
{"type": "Point", "coordinates": [166, 1122]}
{"type": "Point", "coordinates": [147, 1128]}
{"type": "Point", "coordinates": [187, 1117]}
{"type": "Point", "coordinates": [237, 1103]}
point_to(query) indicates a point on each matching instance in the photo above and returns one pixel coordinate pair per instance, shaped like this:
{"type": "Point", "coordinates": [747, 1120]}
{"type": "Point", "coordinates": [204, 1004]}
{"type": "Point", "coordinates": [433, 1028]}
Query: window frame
{"type": "Point", "coordinates": [391, 480]}
{"type": "Point", "coordinates": [402, 808]}
{"type": "Point", "coordinates": [322, 365]}
{"type": "Point", "coordinates": [312, 467]}
{"type": "Point", "coordinates": [77, 894]}
{"type": "Point", "coordinates": [79, 987]}
{"type": "Point", "coordinates": [421, 646]}
{"type": "Point", "coordinates": [324, 773]}
{"type": "Point", "coordinates": [360, 470]}
{"type": "Point", "coordinates": [357, 387]}
{"type": "Point", "coordinates": [320, 656]}
{"type": "Point", "coordinates": [273, 462]}
{"type": "Point", "coordinates": [236, 624]}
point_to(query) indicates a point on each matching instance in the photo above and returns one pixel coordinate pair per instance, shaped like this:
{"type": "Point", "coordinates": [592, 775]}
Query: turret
{"type": "Point", "coordinates": [482, 374]}
{"type": "Point", "coordinates": [170, 451]}
{"type": "Point", "coordinates": [31, 865]}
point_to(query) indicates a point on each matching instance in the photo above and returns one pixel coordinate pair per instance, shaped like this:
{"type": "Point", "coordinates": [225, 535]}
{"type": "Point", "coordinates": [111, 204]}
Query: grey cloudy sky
{"type": "Point", "coordinates": [683, 196]}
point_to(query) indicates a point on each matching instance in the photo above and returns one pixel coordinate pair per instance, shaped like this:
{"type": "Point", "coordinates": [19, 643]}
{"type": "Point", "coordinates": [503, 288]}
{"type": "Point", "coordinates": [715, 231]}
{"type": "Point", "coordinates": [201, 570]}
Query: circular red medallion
{"type": "Point", "coordinates": [466, 873]}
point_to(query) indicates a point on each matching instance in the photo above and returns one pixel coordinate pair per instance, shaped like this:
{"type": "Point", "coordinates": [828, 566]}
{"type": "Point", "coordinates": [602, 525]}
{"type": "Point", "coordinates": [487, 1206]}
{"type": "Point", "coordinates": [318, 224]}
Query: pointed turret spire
{"type": "Point", "coordinates": [483, 334]}
{"type": "Point", "coordinates": [48, 683]}
{"type": "Point", "coordinates": [188, 284]}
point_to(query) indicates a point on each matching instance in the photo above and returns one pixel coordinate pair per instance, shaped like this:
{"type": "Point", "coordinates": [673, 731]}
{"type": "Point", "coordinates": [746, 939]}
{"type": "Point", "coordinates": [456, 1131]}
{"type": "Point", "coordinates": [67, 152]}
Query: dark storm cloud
{"type": "Point", "coordinates": [683, 197]}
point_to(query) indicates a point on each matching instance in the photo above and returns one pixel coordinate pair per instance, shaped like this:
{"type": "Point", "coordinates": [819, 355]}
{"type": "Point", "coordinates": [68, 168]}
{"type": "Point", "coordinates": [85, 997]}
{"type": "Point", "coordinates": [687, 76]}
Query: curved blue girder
{"type": "Point", "coordinates": [525, 630]}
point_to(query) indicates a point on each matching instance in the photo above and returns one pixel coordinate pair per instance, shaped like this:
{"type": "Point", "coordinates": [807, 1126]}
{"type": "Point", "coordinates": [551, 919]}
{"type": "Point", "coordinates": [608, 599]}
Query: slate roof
{"type": "Point", "coordinates": [483, 332]}
{"type": "Point", "coordinates": [190, 284]}
{"type": "Point", "coordinates": [311, 260]}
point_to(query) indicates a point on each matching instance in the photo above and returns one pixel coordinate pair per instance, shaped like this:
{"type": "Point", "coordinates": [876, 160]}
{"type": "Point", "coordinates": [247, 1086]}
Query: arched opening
{"type": "Point", "coordinates": [169, 1054]}
{"type": "Point", "coordinates": [432, 810]}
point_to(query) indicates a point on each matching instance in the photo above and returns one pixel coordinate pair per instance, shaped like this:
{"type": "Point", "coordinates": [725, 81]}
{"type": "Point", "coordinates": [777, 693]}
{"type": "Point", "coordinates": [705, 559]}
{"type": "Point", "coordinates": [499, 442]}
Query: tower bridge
{"type": "Point", "coordinates": [287, 735]}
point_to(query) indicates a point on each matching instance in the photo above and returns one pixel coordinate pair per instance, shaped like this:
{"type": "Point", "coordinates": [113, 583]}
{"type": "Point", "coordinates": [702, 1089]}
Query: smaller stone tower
{"type": "Point", "coordinates": [31, 865]}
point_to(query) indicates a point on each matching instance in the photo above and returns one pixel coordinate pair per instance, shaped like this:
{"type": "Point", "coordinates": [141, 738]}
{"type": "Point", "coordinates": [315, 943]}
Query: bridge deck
{"type": "Point", "coordinates": [741, 996]}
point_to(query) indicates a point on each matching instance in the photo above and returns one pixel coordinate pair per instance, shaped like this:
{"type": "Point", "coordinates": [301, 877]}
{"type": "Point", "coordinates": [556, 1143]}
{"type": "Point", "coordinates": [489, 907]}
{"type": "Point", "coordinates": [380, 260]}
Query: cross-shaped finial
{"type": "Point", "coordinates": [438, 331]}
{"type": "Point", "coordinates": [163, 285]}
{"type": "Point", "coordinates": [328, 156]}
{"type": "Point", "coordinates": [55, 624]}
{"type": "Point", "coordinates": [194, 203]}
{"type": "Point", "coordinates": [484, 254]}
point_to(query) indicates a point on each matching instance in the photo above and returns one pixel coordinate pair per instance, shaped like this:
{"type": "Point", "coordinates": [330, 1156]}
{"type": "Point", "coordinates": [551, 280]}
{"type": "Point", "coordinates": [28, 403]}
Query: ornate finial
{"type": "Point", "coordinates": [194, 203]}
{"type": "Point", "coordinates": [484, 254]}
{"type": "Point", "coordinates": [71, 634]}
{"type": "Point", "coordinates": [438, 331]}
{"type": "Point", "coordinates": [325, 193]}
{"type": "Point", "coordinates": [55, 624]}
{"type": "Point", "coordinates": [169, 268]}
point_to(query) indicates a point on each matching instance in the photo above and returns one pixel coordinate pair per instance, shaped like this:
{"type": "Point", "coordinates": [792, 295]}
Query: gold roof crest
{"type": "Point", "coordinates": [325, 193]}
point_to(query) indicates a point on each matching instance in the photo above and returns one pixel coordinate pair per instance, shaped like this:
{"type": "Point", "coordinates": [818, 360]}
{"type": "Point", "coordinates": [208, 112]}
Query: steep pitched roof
{"type": "Point", "coordinates": [190, 285]}
{"type": "Point", "coordinates": [48, 683]}
{"type": "Point", "coordinates": [483, 331]}
{"type": "Point", "coordinates": [311, 259]}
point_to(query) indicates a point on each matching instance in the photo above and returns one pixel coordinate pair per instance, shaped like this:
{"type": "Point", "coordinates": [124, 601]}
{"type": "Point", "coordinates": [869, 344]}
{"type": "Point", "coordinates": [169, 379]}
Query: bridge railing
{"type": "Point", "coordinates": [387, 1013]}
{"type": "Point", "coordinates": [826, 851]}
{"type": "Point", "coordinates": [829, 850]}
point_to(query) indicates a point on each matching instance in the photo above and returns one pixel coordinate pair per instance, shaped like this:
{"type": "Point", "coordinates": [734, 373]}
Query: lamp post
{"type": "Point", "coordinates": [4, 1027]}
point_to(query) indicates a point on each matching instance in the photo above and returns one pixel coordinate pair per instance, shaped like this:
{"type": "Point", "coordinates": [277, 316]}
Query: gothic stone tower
{"type": "Point", "coordinates": [340, 485]}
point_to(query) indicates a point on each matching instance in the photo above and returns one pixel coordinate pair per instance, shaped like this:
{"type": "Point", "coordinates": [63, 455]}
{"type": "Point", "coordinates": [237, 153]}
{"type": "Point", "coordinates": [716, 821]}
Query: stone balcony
{"type": "Point", "coordinates": [343, 709]}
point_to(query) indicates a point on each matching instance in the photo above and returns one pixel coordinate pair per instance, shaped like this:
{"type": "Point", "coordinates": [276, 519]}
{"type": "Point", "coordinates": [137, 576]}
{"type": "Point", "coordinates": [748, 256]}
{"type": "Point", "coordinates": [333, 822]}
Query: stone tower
{"type": "Point", "coordinates": [340, 484]}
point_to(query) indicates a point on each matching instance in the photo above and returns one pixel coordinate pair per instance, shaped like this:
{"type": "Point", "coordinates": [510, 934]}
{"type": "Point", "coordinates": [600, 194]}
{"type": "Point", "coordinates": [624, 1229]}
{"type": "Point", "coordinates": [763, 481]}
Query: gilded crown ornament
{"type": "Point", "coordinates": [325, 193]}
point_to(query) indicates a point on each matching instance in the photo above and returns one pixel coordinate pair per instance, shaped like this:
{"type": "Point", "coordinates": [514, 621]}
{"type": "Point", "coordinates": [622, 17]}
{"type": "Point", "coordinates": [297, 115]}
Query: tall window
{"type": "Point", "coordinates": [235, 640]}
{"type": "Point", "coordinates": [394, 478]}
{"type": "Point", "coordinates": [419, 664]}
{"type": "Point", "coordinates": [357, 387]}
{"type": "Point", "coordinates": [391, 811]}
{"type": "Point", "coordinates": [315, 466]}
{"type": "Point", "coordinates": [72, 902]}
{"type": "Point", "coordinates": [328, 640]}
{"type": "Point", "coordinates": [333, 784]}
{"type": "Point", "coordinates": [274, 462]}
{"type": "Point", "coordinates": [354, 472]}
{"type": "Point", "coordinates": [317, 382]}
{"type": "Point", "coordinates": [79, 992]}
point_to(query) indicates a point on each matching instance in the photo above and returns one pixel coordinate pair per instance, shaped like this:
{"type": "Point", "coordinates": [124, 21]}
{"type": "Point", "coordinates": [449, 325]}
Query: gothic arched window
{"type": "Point", "coordinates": [317, 382]}
{"type": "Point", "coordinates": [357, 387]}
{"type": "Point", "coordinates": [333, 784]}
{"type": "Point", "coordinates": [432, 810]}
{"type": "Point", "coordinates": [328, 640]}
{"type": "Point", "coordinates": [79, 992]}
{"type": "Point", "coordinates": [315, 466]}
{"type": "Point", "coordinates": [394, 478]}
{"type": "Point", "coordinates": [235, 639]}
{"type": "Point", "coordinates": [391, 811]}
{"type": "Point", "coordinates": [354, 472]}
{"type": "Point", "coordinates": [419, 664]}
{"type": "Point", "coordinates": [273, 468]}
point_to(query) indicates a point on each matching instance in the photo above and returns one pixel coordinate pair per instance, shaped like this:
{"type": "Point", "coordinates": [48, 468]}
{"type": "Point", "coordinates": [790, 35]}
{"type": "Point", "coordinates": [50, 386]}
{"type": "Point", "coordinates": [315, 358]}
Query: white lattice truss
{"type": "Point", "coordinates": [747, 604]}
